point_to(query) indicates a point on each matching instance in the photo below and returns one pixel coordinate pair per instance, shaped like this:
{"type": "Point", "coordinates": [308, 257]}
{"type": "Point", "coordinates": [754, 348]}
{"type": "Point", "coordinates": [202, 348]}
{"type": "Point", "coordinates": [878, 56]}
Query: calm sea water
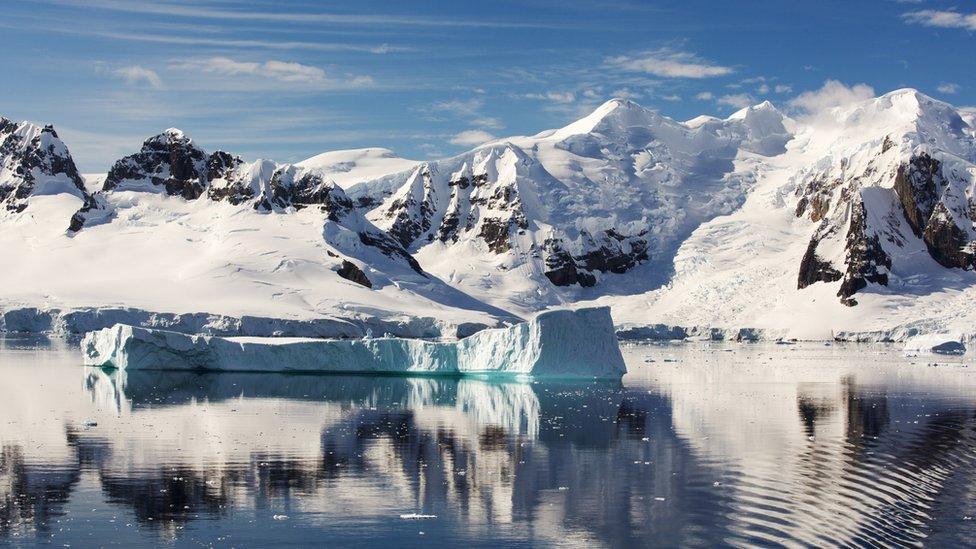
{"type": "Point", "coordinates": [699, 445]}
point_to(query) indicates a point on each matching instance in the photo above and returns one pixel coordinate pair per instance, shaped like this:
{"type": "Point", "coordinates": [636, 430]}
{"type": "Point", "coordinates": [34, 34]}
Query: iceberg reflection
{"type": "Point", "coordinates": [709, 448]}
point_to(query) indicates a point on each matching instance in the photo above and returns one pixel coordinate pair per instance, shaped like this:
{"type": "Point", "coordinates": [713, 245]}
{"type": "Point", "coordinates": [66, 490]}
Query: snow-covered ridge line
{"type": "Point", "coordinates": [555, 344]}
{"type": "Point", "coordinates": [80, 321]}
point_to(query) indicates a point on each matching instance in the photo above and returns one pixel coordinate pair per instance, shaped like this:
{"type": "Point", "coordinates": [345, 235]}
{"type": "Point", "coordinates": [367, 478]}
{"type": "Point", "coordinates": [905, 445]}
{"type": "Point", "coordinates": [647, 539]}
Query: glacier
{"type": "Point", "coordinates": [554, 344]}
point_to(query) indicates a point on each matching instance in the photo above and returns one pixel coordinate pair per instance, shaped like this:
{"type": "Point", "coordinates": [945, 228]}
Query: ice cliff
{"type": "Point", "coordinates": [554, 344]}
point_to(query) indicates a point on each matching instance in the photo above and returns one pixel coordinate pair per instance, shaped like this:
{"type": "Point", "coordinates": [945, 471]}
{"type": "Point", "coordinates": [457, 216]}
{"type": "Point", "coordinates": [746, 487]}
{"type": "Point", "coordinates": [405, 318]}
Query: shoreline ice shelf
{"type": "Point", "coordinates": [555, 344]}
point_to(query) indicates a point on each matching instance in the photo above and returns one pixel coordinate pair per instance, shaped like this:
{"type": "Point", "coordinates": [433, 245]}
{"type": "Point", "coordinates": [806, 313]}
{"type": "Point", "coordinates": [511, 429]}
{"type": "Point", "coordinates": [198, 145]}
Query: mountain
{"type": "Point", "coordinates": [858, 222]}
{"type": "Point", "coordinates": [896, 185]}
{"type": "Point", "coordinates": [529, 222]}
{"type": "Point", "coordinates": [175, 229]}
{"type": "Point", "coordinates": [35, 162]}
{"type": "Point", "coordinates": [864, 225]}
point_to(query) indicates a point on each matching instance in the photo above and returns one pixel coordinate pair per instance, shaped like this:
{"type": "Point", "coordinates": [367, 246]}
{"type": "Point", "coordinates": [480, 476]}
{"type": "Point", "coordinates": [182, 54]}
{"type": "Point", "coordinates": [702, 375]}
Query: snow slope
{"type": "Point", "coordinates": [349, 167]}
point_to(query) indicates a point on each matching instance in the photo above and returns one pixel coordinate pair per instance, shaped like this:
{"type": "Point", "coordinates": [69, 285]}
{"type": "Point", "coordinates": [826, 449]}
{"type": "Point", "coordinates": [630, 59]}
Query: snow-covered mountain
{"type": "Point", "coordinates": [177, 230]}
{"type": "Point", "coordinates": [35, 162]}
{"type": "Point", "coordinates": [895, 185]}
{"type": "Point", "coordinates": [530, 222]}
{"type": "Point", "coordinates": [864, 224]}
{"type": "Point", "coordinates": [859, 220]}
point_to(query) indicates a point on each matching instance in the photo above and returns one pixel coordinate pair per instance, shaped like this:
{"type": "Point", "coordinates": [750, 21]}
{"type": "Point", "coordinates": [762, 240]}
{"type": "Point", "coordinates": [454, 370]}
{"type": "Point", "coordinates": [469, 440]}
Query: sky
{"type": "Point", "coordinates": [289, 79]}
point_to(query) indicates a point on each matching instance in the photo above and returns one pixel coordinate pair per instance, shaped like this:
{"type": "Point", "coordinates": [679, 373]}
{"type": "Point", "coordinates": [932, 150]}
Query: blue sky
{"type": "Point", "coordinates": [286, 80]}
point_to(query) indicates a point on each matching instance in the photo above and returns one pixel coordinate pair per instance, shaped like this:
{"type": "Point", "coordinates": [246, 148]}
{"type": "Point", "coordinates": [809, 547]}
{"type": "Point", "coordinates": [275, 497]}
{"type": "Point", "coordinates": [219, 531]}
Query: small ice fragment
{"type": "Point", "coordinates": [280, 517]}
{"type": "Point", "coordinates": [416, 516]}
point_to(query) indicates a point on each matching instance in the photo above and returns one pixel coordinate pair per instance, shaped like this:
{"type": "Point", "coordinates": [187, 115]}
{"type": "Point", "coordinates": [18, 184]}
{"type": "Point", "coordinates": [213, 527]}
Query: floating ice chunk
{"type": "Point", "coordinates": [556, 344]}
{"type": "Point", "coordinates": [943, 344]}
{"type": "Point", "coordinates": [416, 516]}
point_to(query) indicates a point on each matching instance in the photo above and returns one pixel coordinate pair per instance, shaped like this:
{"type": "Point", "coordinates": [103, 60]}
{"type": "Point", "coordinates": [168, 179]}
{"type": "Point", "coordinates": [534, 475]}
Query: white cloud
{"type": "Point", "coordinates": [705, 96]}
{"type": "Point", "coordinates": [555, 97]}
{"type": "Point", "coordinates": [469, 109]}
{"type": "Point", "coordinates": [944, 19]}
{"type": "Point", "coordinates": [470, 138]}
{"type": "Point", "coordinates": [763, 89]}
{"type": "Point", "coordinates": [832, 94]}
{"type": "Point", "coordinates": [739, 100]}
{"type": "Point", "coordinates": [135, 74]}
{"type": "Point", "coordinates": [783, 88]}
{"type": "Point", "coordinates": [673, 97]}
{"type": "Point", "coordinates": [459, 107]}
{"type": "Point", "coordinates": [948, 87]}
{"type": "Point", "coordinates": [669, 64]}
{"type": "Point", "coordinates": [626, 93]}
{"type": "Point", "coordinates": [488, 122]}
{"type": "Point", "coordinates": [277, 70]}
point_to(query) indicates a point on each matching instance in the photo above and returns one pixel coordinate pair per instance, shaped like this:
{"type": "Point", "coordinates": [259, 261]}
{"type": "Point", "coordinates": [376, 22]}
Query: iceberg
{"type": "Point", "coordinates": [554, 344]}
{"type": "Point", "coordinates": [942, 344]}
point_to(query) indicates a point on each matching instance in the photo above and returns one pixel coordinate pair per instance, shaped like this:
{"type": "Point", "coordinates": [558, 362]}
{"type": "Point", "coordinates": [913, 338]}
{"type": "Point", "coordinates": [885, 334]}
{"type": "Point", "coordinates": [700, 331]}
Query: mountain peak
{"type": "Point", "coordinates": [764, 107]}
{"type": "Point", "coordinates": [623, 111]}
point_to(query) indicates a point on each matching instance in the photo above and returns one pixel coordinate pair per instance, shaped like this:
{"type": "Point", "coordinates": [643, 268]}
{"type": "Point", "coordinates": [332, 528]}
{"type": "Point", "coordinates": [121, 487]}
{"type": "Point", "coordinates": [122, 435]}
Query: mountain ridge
{"type": "Point", "coordinates": [667, 221]}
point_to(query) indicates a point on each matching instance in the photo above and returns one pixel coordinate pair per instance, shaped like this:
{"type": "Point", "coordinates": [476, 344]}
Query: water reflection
{"type": "Point", "coordinates": [702, 450]}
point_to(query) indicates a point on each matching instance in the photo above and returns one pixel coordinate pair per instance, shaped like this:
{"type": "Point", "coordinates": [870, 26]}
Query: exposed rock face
{"type": "Point", "coordinates": [478, 199]}
{"type": "Point", "coordinates": [886, 199]}
{"type": "Point", "coordinates": [34, 161]}
{"type": "Point", "coordinates": [350, 271]}
{"type": "Point", "coordinates": [169, 160]}
{"type": "Point", "coordinates": [934, 214]}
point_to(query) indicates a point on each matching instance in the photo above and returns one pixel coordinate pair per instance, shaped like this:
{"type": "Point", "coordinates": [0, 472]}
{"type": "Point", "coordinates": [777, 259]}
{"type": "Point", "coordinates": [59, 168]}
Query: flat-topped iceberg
{"type": "Point", "coordinates": [942, 344]}
{"type": "Point", "coordinates": [556, 344]}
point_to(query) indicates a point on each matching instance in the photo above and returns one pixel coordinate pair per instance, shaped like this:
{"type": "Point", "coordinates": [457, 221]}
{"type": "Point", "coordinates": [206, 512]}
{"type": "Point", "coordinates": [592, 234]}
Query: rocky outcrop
{"type": "Point", "coordinates": [875, 208]}
{"type": "Point", "coordinates": [169, 161]}
{"type": "Point", "coordinates": [34, 161]}
{"type": "Point", "coordinates": [926, 196]}
{"type": "Point", "coordinates": [608, 251]}
{"type": "Point", "coordinates": [351, 272]}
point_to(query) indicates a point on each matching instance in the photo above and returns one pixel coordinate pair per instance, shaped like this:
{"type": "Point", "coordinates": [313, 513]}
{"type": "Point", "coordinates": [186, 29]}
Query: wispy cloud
{"type": "Point", "coordinates": [668, 63]}
{"type": "Point", "coordinates": [470, 138]}
{"type": "Point", "coordinates": [459, 107]}
{"type": "Point", "coordinates": [738, 100]}
{"type": "Point", "coordinates": [135, 74]}
{"type": "Point", "coordinates": [705, 96]}
{"type": "Point", "coordinates": [555, 97]}
{"type": "Point", "coordinates": [226, 42]}
{"type": "Point", "coordinates": [467, 109]}
{"type": "Point", "coordinates": [375, 19]}
{"type": "Point", "coordinates": [278, 70]}
{"type": "Point", "coordinates": [943, 19]}
{"type": "Point", "coordinates": [306, 76]}
{"type": "Point", "coordinates": [949, 87]}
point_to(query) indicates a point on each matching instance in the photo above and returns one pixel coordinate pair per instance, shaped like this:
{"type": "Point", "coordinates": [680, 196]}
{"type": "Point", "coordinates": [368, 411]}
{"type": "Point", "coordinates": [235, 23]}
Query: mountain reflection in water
{"type": "Point", "coordinates": [718, 445]}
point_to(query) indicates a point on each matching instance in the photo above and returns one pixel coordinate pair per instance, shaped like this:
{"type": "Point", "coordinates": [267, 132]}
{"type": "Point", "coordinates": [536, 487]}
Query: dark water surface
{"type": "Point", "coordinates": [700, 444]}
